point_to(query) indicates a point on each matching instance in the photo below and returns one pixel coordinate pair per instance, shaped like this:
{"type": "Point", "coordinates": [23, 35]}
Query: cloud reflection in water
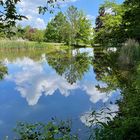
{"type": "Point", "coordinates": [33, 79]}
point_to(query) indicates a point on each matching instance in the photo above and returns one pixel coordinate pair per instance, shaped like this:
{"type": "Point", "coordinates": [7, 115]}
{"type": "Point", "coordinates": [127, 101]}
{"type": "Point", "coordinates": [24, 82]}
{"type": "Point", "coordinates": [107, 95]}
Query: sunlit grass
{"type": "Point", "coordinates": [13, 44]}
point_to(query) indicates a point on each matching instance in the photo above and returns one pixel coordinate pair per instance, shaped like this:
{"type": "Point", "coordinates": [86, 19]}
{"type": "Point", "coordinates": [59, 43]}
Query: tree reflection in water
{"type": "Point", "coordinates": [118, 75]}
{"type": "Point", "coordinates": [107, 123]}
{"type": "Point", "coordinates": [71, 65]}
{"type": "Point", "coordinates": [3, 71]}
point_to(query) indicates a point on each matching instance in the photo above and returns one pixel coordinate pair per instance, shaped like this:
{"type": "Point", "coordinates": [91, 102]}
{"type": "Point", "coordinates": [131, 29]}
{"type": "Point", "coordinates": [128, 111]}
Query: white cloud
{"type": "Point", "coordinates": [40, 23]}
{"type": "Point", "coordinates": [90, 17]}
{"type": "Point", "coordinates": [29, 8]}
{"type": "Point", "coordinates": [96, 95]}
{"type": "Point", "coordinates": [32, 81]}
{"type": "Point", "coordinates": [88, 119]}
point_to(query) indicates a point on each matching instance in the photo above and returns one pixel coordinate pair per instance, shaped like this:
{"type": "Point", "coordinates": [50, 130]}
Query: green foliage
{"type": "Point", "coordinates": [69, 65]}
{"type": "Point", "coordinates": [50, 6]}
{"type": "Point", "coordinates": [54, 130]}
{"type": "Point", "coordinates": [56, 28]}
{"type": "Point", "coordinates": [130, 53]}
{"type": "Point", "coordinates": [131, 19]}
{"type": "Point", "coordinates": [33, 34]}
{"type": "Point", "coordinates": [84, 30]}
{"type": "Point", "coordinates": [126, 124]}
{"type": "Point", "coordinates": [71, 28]}
{"type": "Point", "coordinates": [8, 16]}
{"type": "Point", "coordinates": [80, 26]}
{"type": "Point", "coordinates": [119, 24]}
{"type": "Point", "coordinates": [109, 24]}
{"type": "Point", "coordinates": [3, 71]}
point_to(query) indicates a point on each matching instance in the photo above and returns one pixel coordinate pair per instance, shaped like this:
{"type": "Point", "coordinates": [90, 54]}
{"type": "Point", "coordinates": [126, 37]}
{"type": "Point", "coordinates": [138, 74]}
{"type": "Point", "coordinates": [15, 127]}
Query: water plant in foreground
{"type": "Point", "coordinates": [54, 130]}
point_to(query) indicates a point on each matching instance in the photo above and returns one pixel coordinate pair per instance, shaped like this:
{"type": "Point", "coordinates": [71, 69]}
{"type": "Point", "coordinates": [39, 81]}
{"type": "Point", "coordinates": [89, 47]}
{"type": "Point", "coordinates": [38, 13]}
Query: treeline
{"type": "Point", "coordinates": [117, 22]}
{"type": "Point", "coordinates": [72, 27]}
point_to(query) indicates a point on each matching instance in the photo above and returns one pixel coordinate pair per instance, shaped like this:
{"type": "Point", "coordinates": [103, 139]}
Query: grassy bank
{"type": "Point", "coordinates": [13, 44]}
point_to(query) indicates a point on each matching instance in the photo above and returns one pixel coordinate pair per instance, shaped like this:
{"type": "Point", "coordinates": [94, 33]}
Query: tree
{"type": "Point", "coordinates": [71, 28]}
{"type": "Point", "coordinates": [33, 34]}
{"type": "Point", "coordinates": [84, 30]}
{"type": "Point", "coordinates": [73, 15]}
{"type": "Point", "coordinates": [19, 31]}
{"type": "Point", "coordinates": [3, 71]}
{"type": "Point", "coordinates": [38, 35]}
{"type": "Point", "coordinates": [69, 65]}
{"type": "Point", "coordinates": [8, 15]}
{"type": "Point", "coordinates": [109, 30]}
{"type": "Point", "coordinates": [131, 19]}
{"type": "Point", "coordinates": [55, 28]}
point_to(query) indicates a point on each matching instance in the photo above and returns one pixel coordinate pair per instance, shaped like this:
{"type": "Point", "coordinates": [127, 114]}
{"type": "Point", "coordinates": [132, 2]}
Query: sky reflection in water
{"type": "Point", "coordinates": [33, 91]}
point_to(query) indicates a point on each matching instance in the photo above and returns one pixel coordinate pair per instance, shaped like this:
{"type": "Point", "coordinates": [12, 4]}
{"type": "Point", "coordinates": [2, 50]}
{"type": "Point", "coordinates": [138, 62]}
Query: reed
{"type": "Point", "coordinates": [15, 44]}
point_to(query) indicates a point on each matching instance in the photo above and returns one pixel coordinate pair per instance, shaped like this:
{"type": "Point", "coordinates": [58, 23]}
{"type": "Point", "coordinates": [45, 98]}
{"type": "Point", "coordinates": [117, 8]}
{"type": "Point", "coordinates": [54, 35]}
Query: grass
{"type": "Point", "coordinates": [13, 44]}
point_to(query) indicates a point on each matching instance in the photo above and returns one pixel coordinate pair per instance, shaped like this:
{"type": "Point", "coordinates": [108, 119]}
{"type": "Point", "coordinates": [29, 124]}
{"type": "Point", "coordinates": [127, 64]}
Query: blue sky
{"type": "Point", "coordinates": [29, 8]}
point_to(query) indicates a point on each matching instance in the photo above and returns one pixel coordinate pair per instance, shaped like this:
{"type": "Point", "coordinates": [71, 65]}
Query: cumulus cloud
{"type": "Point", "coordinates": [96, 95]}
{"type": "Point", "coordinates": [29, 8]}
{"type": "Point", "coordinates": [32, 81]}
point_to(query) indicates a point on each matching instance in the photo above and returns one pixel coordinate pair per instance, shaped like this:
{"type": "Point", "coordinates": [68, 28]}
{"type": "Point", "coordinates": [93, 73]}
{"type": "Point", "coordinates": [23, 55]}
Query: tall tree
{"type": "Point", "coordinates": [131, 19]}
{"type": "Point", "coordinates": [55, 28]}
{"type": "Point", "coordinates": [84, 30]}
{"type": "Point", "coordinates": [79, 26]}
{"type": "Point", "coordinates": [109, 30]}
{"type": "Point", "coordinates": [73, 15]}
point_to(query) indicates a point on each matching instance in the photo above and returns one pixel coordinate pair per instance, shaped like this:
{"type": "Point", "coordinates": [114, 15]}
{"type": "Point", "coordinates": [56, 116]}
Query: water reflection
{"type": "Point", "coordinates": [78, 75]}
{"type": "Point", "coordinates": [3, 71]}
{"type": "Point", "coordinates": [72, 64]}
{"type": "Point", "coordinates": [33, 79]}
{"type": "Point", "coordinates": [104, 115]}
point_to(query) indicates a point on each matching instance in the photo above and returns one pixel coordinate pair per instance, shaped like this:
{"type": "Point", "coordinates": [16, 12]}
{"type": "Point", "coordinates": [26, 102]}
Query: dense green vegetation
{"type": "Point", "coordinates": [117, 22]}
{"type": "Point", "coordinates": [71, 28]}
{"type": "Point", "coordinates": [117, 25]}
{"type": "Point", "coordinates": [59, 130]}
{"type": "Point", "coordinates": [121, 74]}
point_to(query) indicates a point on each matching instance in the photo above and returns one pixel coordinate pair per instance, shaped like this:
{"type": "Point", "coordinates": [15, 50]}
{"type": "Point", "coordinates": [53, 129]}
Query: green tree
{"type": "Point", "coordinates": [69, 65]}
{"type": "Point", "coordinates": [71, 28]}
{"type": "Point", "coordinates": [38, 35]}
{"type": "Point", "coordinates": [109, 30]}
{"type": "Point", "coordinates": [33, 34]}
{"type": "Point", "coordinates": [131, 19]}
{"type": "Point", "coordinates": [84, 30]}
{"type": "Point", "coordinates": [55, 28]}
{"type": "Point", "coordinates": [9, 15]}
{"type": "Point", "coordinates": [73, 15]}
{"type": "Point", "coordinates": [3, 71]}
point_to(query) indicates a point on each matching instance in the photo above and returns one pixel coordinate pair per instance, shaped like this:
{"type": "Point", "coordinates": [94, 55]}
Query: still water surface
{"type": "Point", "coordinates": [44, 84]}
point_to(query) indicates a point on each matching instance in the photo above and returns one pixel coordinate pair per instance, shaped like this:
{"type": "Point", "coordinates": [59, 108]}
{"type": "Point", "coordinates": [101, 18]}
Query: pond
{"type": "Point", "coordinates": [61, 83]}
